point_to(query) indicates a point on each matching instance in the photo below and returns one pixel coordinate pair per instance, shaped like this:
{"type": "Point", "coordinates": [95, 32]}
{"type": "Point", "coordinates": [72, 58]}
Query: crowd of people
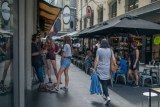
{"type": "Point", "coordinates": [44, 55]}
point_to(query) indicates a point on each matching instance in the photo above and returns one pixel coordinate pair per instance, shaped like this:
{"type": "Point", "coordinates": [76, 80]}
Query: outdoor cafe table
{"type": "Point", "coordinates": [155, 90]}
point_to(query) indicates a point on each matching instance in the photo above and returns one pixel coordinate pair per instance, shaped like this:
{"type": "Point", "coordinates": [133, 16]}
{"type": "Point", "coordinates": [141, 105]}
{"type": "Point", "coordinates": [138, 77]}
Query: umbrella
{"type": "Point", "coordinates": [87, 31]}
{"type": "Point", "coordinates": [129, 24]}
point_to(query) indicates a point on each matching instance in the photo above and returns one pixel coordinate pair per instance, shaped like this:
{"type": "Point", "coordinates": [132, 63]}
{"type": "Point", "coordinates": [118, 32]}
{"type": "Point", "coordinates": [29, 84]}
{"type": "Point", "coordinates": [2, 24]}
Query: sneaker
{"type": "Point", "coordinates": [108, 100]}
{"type": "Point", "coordinates": [135, 86]}
{"type": "Point", "coordinates": [54, 90]}
{"type": "Point", "coordinates": [64, 89]}
{"type": "Point", "coordinates": [104, 97]}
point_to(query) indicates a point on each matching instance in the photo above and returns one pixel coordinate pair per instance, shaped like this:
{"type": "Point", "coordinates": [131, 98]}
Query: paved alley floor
{"type": "Point", "coordinates": [79, 95]}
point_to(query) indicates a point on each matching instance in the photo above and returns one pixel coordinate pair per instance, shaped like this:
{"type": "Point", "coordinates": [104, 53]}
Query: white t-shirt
{"type": "Point", "coordinates": [67, 50]}
{"type": "Point", "coordinates": [103, 68]}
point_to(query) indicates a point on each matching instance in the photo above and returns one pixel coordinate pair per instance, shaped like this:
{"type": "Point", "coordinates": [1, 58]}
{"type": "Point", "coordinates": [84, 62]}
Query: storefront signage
{"type": "Point", "coordinates": [5, 11]}
{"type": "Point", "coordinates": [89, 12]}
{"type": "Point", "coordinates": [157, 40]}
{"type": "Point", "coordinates": [66, 14]}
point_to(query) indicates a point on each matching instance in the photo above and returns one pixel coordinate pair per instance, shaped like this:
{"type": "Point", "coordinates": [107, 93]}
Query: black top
{"type": "Point", "coordinates": [133, 56]}
{"type": "Point", "coordinates": [36, 60]}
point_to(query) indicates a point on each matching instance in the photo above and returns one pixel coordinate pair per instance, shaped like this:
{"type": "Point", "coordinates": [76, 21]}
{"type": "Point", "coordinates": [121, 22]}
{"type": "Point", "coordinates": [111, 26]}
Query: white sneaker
{"type": "Point", "coordinates": [108, 100]}
{"type": "Point", "coordinates": [54, 90]}
{"type": "Point", "coordinates": [104, 97]}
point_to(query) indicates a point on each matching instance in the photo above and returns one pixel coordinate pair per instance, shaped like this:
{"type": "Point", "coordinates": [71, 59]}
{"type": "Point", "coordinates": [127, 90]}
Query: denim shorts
{"type": "Point", "coordinates": [66, 63]}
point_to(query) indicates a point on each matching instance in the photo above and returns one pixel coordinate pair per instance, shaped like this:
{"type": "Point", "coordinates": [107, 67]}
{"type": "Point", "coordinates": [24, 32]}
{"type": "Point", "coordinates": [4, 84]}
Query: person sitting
{"type": "Point", "coordinates": [88, 61]}
{"type": "Point", "coordinates": [123, 68]}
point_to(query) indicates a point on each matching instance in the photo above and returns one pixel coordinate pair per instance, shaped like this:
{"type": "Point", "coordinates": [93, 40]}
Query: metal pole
{"type": "Point", "coordinates": [81, 17]}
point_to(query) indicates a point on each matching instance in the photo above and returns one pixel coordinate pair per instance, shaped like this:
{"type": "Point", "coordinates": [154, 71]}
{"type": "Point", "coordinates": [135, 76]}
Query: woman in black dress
{"type": "Point", "coordinates": [134, 63]}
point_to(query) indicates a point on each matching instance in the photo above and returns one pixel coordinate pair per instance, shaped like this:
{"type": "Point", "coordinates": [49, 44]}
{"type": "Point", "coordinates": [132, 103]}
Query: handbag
{"type": "Point", "coordinates": [113, 66]}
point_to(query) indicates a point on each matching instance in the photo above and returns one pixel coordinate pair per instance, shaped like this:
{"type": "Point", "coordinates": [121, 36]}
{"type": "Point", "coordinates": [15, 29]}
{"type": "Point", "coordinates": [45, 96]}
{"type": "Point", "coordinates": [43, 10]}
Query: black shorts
{"type": "Point", "coordinates": [137, 67]}
{"type": "Point", "coordinates": [49, 56]}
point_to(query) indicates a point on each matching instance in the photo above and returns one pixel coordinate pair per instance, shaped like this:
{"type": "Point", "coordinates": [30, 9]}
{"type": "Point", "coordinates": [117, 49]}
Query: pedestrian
{"type": "Point", "coordinates": [52, 51]}
{"type": "Point", "coordinates": [134, 64]}
{"type": "Point", "coordinates": [102, 67]}
{"type": "Point", "coordinates": [8, 52]}
{"type": "Point", "coordinates": [65, 63]}
{"type": "Point", "coordinates": [37, 62]}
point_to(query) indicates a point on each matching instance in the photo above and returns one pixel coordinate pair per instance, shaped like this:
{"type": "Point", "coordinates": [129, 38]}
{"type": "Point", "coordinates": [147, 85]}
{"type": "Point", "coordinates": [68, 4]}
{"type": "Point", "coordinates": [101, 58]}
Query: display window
{"type": "Point", "coordinates": [7, 26]}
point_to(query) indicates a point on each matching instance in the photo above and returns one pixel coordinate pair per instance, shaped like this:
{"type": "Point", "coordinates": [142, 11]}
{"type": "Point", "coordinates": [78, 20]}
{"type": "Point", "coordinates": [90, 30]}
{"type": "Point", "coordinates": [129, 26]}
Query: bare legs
{"type": "Point", "coordinates": [53, 62]}
{"type": "Point", "coordinates": [61, 70]}
{"type": "Point", "coordinates": [54, 68]}
{"type": "Point", "coordinates": [66, 77]}
{"type": "Point", "coordinates": [135, 75]}
{"type": "Point", "coordinates": [6, 66]}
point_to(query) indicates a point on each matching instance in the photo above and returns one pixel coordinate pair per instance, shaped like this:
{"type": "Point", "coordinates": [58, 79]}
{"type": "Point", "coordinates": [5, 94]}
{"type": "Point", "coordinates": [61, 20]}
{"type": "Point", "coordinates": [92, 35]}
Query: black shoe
{"type": "Point", "coordinates": [135, 86]}
{"type": "Point", "coordinates": [2, 82]}
{"type": "Point", "coordinates": [50, 81]}
{"type": "Point", "coordinates": [64, 89]}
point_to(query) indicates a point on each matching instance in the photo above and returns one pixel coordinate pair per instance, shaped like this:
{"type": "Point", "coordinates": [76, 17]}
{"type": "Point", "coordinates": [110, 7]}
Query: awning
{"type": "Point", "coordinates": [129, 24]}
{"type": "Point", "coordinates": [47, 15]}
{"type": "Point", "coordinates": [85, 32]}
{"type": "Point", "coordinates": [69, 34]}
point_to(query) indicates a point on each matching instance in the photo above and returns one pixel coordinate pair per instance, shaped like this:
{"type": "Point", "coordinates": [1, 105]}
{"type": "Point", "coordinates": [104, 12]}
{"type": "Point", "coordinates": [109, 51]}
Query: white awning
{"type": "Point", "coordinates": [69, 34]}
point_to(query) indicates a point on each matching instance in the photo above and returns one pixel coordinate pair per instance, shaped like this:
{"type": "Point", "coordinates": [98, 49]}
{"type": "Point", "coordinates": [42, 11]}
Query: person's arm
{"type": "Point", "coordinates": [34, 52]}
{"type": "Point", "coordinates": [57, 48]}
{"type": "Point", "coordinates": [63, 52]}
{"type": "Point", "coordinates": [114, 59]}
{"type": "Point", "coordinates": [96, 61]}
{"type": "Point", "coordinates": [137, 57]}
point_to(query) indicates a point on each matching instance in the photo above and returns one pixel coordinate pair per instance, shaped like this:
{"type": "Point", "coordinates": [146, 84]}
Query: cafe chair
{"type": "Point", "coordinates": [121, 75]}
{"type": "Point", "coordinates": [146, 75]}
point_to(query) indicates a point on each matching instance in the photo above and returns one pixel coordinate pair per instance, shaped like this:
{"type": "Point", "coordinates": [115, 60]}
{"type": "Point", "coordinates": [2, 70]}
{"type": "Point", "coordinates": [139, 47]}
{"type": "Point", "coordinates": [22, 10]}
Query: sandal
{"type": "Point", "coordinates": [43, 88]}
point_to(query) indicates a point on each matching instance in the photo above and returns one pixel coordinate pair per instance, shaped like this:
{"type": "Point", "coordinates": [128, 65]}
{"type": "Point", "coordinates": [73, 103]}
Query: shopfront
{"type": "Point", "coordinates": [17, 24]}
{"type": "Point", "coordinates": [8, 52]}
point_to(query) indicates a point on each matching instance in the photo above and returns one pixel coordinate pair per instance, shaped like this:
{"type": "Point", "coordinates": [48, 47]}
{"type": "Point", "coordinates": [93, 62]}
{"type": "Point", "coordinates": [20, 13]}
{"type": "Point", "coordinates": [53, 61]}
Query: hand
{"type": "Point", "coordinates": [55, 53]}
{"type": "Point", "coordinates": [134, 66]}
{"type": "Point", "coordinates": [45, 51]}
{"type": "Point", "coordinates": [93, 70]}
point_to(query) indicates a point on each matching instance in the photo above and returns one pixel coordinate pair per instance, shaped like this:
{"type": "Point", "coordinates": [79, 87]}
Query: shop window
{"type": "Point", "coordinates": [92, 18]}
{"type": "Point", "coordinates": [131, 4]}
{"type": "Point", "coordinates": [113, 10]}
{"type": "Point", "coordinates": [100, 14]}
{"type": "Point", "coordinates": [7, 32]}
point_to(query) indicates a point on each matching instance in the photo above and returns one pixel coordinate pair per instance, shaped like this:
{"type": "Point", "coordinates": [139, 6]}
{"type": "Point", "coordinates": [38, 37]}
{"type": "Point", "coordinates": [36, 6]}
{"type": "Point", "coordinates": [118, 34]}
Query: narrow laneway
{"type": "Point", "coordinates": [79, 95]}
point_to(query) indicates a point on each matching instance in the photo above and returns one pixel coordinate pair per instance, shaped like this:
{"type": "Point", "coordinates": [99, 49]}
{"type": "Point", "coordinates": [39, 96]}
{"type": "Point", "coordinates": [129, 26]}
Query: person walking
{"type": "Point", "coordinates": [65, 63]}
{"type": "Point", "coordinates": [102, 67]}
{"type": "Point", "coordinates": [134, 63]}
{"type": "Point", "coordinates": [52, 51]}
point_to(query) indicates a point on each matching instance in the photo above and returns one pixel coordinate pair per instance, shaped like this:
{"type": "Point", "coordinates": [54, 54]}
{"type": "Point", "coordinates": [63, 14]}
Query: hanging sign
{"type": "Point", "coordinates": [89, 12]}
{"type": "Point", "coordinates": [66, 14]}
{"type": "Point", "coordinates": [5, 11]}
{"type": "Point", "coordinates": [157, 40]}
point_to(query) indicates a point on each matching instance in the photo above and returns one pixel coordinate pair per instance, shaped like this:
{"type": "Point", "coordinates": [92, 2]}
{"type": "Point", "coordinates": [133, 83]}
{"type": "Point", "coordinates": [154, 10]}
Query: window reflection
{"type": "Point", "coordinates": [6, 53]}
